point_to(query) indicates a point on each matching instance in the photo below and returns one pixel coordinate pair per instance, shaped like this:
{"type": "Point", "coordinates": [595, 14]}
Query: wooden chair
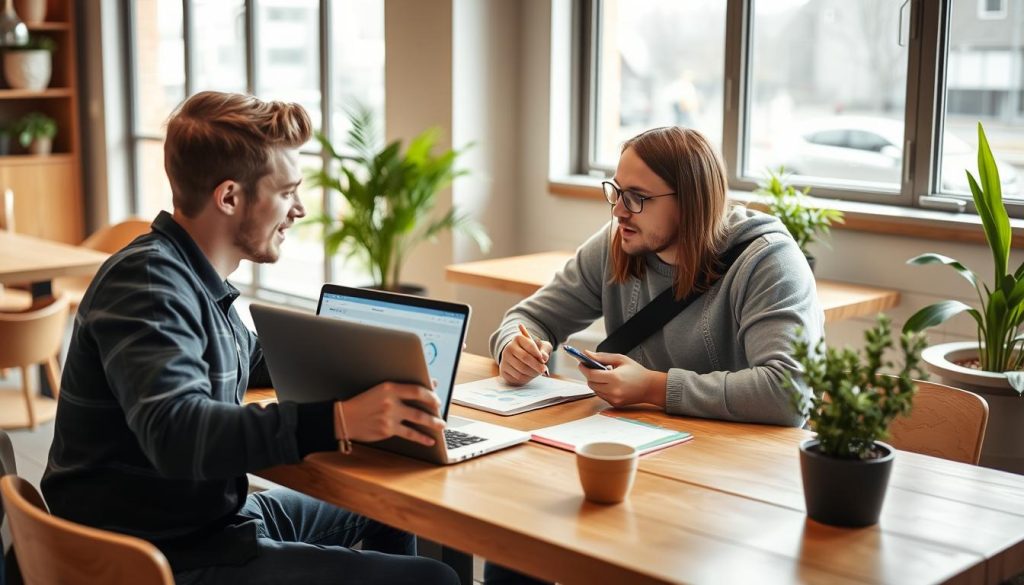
{"type": "Point", "coordinates": [109, 239]}
{"type": "Point", "coordinates": [53, 550]}
{"type": "Point", "coordinates": [34, 336]}
{"type": "Point", "coordinates": [945, 422]}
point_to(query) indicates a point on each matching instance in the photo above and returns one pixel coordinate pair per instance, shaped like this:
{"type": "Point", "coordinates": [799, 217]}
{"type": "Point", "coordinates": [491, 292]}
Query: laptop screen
{"type": "Point", "coordinates": [439, 330]}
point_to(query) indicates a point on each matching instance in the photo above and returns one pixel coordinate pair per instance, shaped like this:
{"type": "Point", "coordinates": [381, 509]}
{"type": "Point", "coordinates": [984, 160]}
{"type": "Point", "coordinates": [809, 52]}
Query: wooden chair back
{"type": "Point", "coordinates": [53, 550]}
{"type": "Point", "coordinates": [945, 422]}
{"type": "Point", "coordinates": [112, 238]}
{"type": "Point", "coordinates": [33, 335]}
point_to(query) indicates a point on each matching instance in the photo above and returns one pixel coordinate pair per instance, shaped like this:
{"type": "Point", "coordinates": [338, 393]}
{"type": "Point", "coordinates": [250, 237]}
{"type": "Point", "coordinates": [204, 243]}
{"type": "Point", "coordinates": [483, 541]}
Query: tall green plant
{"type": "Point", "coordinates": [804, 222]}
{"type": "Point", "coordinates": [390, 197]}
{"type": "Point", "coordinates": [851, 401]}
{"type": "Point", "coordinates": [1002, 306]}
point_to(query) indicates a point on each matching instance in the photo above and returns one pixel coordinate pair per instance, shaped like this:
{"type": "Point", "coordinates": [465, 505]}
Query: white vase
{"type": "Point", "coordinates": [27, 69]}
{"type": "Point", "coordinates": [31, 11]}
{"type": "Point", "coordinates": [41, 145]}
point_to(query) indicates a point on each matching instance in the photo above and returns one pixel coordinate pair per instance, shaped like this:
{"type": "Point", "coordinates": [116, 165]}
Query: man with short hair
{"type": "Point", "coordinates": [151, 438]}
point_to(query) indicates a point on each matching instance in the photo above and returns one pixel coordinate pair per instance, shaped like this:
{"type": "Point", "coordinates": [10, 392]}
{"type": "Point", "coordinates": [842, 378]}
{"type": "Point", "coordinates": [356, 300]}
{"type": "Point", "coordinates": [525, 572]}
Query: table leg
{"type": "Point", "coordinates": [39, 290]}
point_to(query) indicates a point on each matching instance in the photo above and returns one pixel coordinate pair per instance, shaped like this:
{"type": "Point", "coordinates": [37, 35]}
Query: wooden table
{"type": "Point", "coordinates": [524, 275]}
{"type": "Point", "coordinates": [727, 507]}
{"type": "Point", "coordinates": [27, 259]}
{"type": "Point", "coordinates": [37, 261]}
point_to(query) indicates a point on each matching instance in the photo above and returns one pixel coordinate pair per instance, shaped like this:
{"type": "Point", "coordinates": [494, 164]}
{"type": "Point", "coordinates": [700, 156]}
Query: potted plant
{"type": "Point", "coordinates": [804, 222]}
{"type": "Point", "coordinates": [29, 66]}
{"type": "Point", "coordinates": [850, 404]}
{"type": "Point", "coordinates": [389, 197]}
{"type": "Point", "coordinates": [991, 366]}
{"type": "Point", "coordinates": [35, 132]}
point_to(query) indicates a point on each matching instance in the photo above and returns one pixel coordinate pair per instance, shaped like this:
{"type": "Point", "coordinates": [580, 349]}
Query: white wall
{"type": "Point", "coordinates": [486, 77]}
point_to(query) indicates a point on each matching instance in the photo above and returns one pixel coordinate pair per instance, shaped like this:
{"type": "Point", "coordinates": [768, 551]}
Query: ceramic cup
{"type": "Point", "coordinates": [607, 471]}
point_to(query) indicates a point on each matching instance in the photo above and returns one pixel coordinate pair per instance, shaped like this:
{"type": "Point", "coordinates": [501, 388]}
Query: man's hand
{"type": "Point", "coordinates": [378, 413]}
{"type": "Point", "coordinates": [626, 383]}
{"type": "Point", "coordinates": [523, 359]}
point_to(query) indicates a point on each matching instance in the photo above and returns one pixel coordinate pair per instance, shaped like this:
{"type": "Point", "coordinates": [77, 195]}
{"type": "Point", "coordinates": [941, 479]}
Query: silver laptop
{"type": "Point", "coordinates": [377, 337]}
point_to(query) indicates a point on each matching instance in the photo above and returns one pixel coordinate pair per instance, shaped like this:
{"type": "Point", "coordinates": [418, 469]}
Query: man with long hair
{"type": "Point", "coordinates": [726, 354]}
{"type": "Point", "coordinates": [151, 438]}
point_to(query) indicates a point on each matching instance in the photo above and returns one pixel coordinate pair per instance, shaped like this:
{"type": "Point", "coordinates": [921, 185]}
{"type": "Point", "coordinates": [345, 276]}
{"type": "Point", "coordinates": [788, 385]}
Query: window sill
{"type": "Point", "coordinates": [859, 216]}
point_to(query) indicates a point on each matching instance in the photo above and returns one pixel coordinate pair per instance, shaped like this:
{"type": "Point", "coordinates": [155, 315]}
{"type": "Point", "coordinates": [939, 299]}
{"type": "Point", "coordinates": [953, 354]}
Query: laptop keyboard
{"type": "Point", "coordinates": [455, 439]}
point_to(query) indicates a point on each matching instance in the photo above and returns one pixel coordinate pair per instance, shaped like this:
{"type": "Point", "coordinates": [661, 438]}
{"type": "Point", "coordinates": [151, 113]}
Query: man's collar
{"type": "Point", "coordinates": [219, 289]}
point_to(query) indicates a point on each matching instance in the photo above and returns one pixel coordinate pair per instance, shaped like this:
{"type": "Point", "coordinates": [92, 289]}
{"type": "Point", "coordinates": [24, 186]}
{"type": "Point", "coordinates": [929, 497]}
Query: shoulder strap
{"type": "Point", "coordinates": [657, 313]}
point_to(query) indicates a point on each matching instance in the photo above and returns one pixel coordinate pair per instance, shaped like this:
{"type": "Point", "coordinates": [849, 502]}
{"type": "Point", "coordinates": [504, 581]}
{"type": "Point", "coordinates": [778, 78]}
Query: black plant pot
{"type": "Point", "coordinates": [844, 492]}
{"type": "Point", "coordinates": [811, 261]}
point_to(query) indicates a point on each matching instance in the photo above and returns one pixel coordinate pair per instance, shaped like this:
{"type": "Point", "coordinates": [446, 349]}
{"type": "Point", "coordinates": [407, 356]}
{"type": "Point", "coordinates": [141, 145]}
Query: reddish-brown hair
{"type": "Point", "coordinates": [687, 162]}
{"type": "Point", "coordinates": [213, 137]}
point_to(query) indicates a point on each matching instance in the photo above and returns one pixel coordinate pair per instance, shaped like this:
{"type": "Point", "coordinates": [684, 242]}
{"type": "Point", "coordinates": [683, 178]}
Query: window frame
{"type": "Point", "coordinates": [256, 287]}
{"type": "Point", "coordinates": [925, 28]}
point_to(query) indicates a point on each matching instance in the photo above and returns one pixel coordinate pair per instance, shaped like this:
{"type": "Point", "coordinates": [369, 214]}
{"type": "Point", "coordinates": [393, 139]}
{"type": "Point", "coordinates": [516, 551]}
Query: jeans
{"type": "Point", "coordinates": [303, 540]}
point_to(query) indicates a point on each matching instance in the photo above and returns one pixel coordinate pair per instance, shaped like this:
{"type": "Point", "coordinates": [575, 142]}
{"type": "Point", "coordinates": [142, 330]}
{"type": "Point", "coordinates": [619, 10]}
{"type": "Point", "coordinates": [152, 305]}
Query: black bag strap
{"type": "Point", "coordinates": [657, 313]}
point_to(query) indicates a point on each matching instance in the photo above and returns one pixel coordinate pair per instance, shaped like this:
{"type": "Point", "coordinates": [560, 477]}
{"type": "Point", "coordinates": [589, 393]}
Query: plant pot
{"type": "Point", "coordinates": [844, 492]}
{"type": "Point", "coordinates": [405, 289]}
{"type": "Point", "coordinates": [28, 69]}
{"type": "Point", "coordinates": [1003, 447]}
{"type": "Point", "coordinates": [31, 11]}
{"type": "Point", "coordinates": [5, 144]}
{"type": "Point", "coordinates": [41, 145]}
{"type": "Point", "coordinates": [811, 261]}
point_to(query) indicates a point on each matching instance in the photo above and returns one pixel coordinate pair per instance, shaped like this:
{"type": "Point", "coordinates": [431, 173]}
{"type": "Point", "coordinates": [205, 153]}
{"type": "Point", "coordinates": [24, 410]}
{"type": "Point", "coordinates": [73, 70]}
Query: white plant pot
{"type": "Point", "coordinates": [31, 11]}
{"type": "Point", "coordinates": [28, 69]}
{"type": "Point", "coordinates": [41, 146]}
{"type": "Point", "coordinates": [1004, 437]}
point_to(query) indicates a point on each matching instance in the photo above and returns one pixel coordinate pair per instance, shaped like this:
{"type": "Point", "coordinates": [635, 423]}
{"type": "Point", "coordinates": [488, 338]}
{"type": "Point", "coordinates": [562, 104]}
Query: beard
{"type": "Point", "coordinates": [643, 243]}
{"type": "Point", "coordinates": [257, 246]}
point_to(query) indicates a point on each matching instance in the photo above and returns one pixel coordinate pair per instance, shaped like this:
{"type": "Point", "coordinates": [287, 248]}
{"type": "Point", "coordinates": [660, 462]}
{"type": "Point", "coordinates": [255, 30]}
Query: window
{"type": "Point", "coordinates": [839, 93]}
{"type": "Point", "coordinates": [984, 82]}
{"type": "Point", "coordinates": [659, 63]}
{"type": "Point", "coordinates": [180, 47]}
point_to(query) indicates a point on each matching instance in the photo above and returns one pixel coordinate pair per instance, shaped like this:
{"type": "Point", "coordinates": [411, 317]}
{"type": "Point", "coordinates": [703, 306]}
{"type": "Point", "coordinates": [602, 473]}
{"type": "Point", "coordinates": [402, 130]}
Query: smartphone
{"type": "Point", "coordinates": [585, 359]}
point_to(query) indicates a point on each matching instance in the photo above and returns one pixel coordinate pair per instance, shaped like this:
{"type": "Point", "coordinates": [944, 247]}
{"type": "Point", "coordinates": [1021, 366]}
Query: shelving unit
{"type": "Point", "coordinates": [48, 189]}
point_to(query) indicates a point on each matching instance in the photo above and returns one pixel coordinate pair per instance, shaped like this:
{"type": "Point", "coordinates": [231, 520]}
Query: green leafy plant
{"type": "Point", "coordinates": [34, 125]}
{"type": "Point", "coordinates": [804, 222]}
{"type": "Point", "coordinates": [851, 401]}
{"type": "Point", "coordinates": [1002, 306]}
{"type": "Point", "coordinates": [390, 197]}
{"type": "Point", "coordinates": [35, 43]}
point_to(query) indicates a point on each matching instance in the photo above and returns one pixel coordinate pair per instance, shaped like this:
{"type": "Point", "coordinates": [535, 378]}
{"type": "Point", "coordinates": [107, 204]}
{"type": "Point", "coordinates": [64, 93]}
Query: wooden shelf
{"type": "Point", "coordinates": [32, 159]}
{"type": "Point", "coordinates": [49, 26]}
{"type": "Point", "coordinates": [21, 94]}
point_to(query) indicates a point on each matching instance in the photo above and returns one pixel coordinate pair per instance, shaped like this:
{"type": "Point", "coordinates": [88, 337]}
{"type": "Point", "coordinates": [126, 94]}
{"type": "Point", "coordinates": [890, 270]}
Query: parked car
{"type": "Point", "coordinates": [860, 148]}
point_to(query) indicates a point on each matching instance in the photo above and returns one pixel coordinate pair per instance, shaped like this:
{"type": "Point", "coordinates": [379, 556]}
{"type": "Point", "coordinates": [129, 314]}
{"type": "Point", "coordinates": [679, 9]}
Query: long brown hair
{"type": "Point", "coordinates": [213, 137]}
{"type": "Point", "coordinates": [687, 162]}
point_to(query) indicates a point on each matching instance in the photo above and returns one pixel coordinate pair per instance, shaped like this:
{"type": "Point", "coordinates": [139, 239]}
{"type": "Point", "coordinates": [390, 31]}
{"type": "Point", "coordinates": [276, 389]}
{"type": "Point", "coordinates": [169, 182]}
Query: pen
{"type": "Point", "coordinates": [526, 333]}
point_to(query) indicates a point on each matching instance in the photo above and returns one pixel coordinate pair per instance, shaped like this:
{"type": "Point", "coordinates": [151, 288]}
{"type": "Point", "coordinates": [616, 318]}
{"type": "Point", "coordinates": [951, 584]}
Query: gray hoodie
{"type": "Point", "coordinates": [726, 354]}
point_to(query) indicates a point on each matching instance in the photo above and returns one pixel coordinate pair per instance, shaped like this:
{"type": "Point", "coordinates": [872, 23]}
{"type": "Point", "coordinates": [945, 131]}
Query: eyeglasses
{"type": "Point", "coordinates": [631, 200]}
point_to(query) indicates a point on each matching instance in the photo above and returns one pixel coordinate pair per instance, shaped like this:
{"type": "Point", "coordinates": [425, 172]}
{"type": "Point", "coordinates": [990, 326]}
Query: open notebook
{"type": "Point", "coordinates": [494, 395]}
{"type": "Point", "coordinates": [645, 437]}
